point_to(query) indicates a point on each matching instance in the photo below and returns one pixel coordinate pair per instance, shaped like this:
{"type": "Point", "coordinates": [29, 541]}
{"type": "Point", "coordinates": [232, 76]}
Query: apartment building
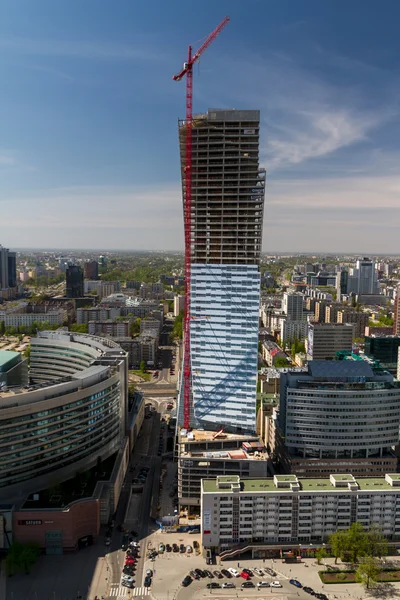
{"type": "Point", "coordinates": [111, 328]}
{"type": "Point", "coordinates": [286, 509]}
{"type": "Point", "coordinates": [325, 339]}
{"type": "Point", "coordinates": [143, 347]}
{"type": "Point", "coordinates": [97, 313]}
{"type": "Point", "coordinates": [359, 320]}
{"type": "Point", "coordinates": [18, 316]}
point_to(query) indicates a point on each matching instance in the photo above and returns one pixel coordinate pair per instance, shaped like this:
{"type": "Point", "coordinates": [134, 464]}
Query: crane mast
{"type": "Point", "coordinates": [187, 211]}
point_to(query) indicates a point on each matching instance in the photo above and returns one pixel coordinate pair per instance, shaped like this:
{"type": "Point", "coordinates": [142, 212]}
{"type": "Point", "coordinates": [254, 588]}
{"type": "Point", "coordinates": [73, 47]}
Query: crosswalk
{"type": "Point", "coordinates": [119, 592]}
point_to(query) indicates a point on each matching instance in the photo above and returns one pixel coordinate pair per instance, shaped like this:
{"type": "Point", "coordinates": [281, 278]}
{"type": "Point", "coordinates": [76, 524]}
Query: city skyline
{"type": "Point", "coordinates": [94, 155]}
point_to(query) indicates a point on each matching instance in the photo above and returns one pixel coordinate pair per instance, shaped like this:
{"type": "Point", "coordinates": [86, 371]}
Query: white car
{"type": "Point", "coordinates": [276, 584]}
{"type": "Point", "coordinates": [128, 578]}
{"type": "Point", "coordinates": [263, 584]}
{"type": "Point", "coordinates": [107, 542]}
{"type": "Point", "coordinates": [258, 572]}
{"type": "Point", "coordinates": [234, 572]}
{"type": "Point", "coordinates": [228, 584]}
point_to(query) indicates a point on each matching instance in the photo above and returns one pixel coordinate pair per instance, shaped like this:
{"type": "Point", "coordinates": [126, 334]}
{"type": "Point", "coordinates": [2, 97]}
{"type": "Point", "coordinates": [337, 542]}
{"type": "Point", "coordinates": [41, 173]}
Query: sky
{"type": "Point", "coordinates": [88, 118]}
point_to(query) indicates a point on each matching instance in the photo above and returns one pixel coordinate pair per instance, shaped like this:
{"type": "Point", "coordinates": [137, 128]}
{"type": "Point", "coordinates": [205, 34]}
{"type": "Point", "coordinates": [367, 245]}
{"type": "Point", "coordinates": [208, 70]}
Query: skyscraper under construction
{"type": "Point", "coordinates": [227, 203]}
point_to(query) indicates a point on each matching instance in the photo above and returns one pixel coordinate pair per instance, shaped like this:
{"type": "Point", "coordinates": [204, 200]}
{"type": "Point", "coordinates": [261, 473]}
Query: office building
{"type": "Point", "coordinates": [342, 278]}
{"type": "Point", "coordinates": [13, 369]}
{"type": "Point", "coordinates": [325, 339]}
{"type": "Point", "coordinates": [74, 282]}
{"type": "Point", "coordinates": [359, 319]}
{"type": "Point", "coordinates": [91, 269]}
{"type": "Point", "coordinates": [287, 509]}
{"type": "Point", "coordinates": [8, 268]}
{"type": "Point", "coordinates": [206, 454]}
{"type": "Point", "coordinates": [363, 279]}
{"type": "Point", "coordinates": [228, 188]}
{"type": "Point", "coordinates": [338, 415]}
{"type": "Point", "coordinates": [384, 349]}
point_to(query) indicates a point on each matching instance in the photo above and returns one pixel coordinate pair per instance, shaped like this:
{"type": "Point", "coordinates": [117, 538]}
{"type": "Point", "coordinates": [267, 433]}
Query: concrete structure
{"type": "Point", "coordinates": [111, 328]}
{"type": "Point", "coordinates": [203, 454]}
{"type": "Point", "coordinates": [13, 369]}
{"type": "Point", "coordinates": [288, 509]}
{"type": "Point", "coordinates": [74, 282]}
{"type": "Point", "coordinates": [335, 415]}
{"type": "Point", "coordinates": [179, 303]}
{"type": "Point", "coordinates": [359, 319]}
{"type": "Point", "coordinates": [325, 339]}
{"type": "Point", "coordinates": [142, 347]}
{"type": "Point", "coordinates": [228, 189]}
{"type": "Point", "coordinates": [75, 414]}
{"type": "Point", "coordinates": [91, 269]}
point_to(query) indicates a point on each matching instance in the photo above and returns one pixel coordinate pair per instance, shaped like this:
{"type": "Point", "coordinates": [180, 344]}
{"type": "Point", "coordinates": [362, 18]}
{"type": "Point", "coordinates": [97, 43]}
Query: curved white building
{"type": "Point", "coordinates": [71, 416]}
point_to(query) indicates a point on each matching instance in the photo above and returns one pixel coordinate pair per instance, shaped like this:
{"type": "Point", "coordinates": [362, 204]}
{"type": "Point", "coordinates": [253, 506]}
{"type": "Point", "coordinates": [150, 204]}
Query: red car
{"type": "Point", "coordinates": [245, 576]}
{"type": "Point", "coordinates": [130, 561]}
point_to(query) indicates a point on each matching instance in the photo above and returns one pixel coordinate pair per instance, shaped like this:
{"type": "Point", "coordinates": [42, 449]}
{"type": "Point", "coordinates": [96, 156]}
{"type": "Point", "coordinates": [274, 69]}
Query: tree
{"type": "Point", "coordinates": [320, 554]}
{"type": "Point", "coordinates": [22, 557]}
{"type": "Point", "coordinates": [27, 354]}
{"type": "Point", "coordinates": [338, 544]}
{"type": "Point", "coordinates": [367, 572]}
{"type": "Point", "coordinates": [357, 541]}
{"type": "Point", "coordinates": [134, 327]}
{"type": "Point", "coordinates": [81, 328]}
{"type": "Point", "coordinates": [376, 542]}
{"type": "Point", "coordinates": [2, 327]}
{"type": "Point", "coordinates": [280, 362]}
{"type": "Point", "coordinates": [142, 367]}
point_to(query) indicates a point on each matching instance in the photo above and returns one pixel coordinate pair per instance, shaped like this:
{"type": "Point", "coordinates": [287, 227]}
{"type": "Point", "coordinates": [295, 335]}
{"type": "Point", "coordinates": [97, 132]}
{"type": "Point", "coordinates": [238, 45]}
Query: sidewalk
{"type": "Point", "coordinates": [99, 586]}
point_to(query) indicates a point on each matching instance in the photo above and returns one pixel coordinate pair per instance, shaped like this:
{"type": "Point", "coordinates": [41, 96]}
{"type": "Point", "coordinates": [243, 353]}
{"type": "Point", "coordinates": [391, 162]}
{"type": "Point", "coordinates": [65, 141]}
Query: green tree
{"type": "Point", "coordinates": [177, 331]}
{"type": "Point", "coordinates": [142, 367]}
{"type": "Point", "coordinates": [357, 541]}
{"type": "Point", "coordinates": [376, 542]}
{"type": "Point", "coordinates": [22, 557]}
{"type": "Point", "coordinates": [81, 328]}
{"type": "Point", "coordinates": [2, 327]}
{"type": "Point", "coordinates": [320, 554]}
{"type": "Point", "coordinates": [134, 327]}
{"type": "Point", "coordinates": [280, 362]}
{"type": "Point", "coordinates": [27, 354]}
{"type": "Point", "coordinates": [367, 572]}
{"type": "Point", "coordinates": [338, 544]}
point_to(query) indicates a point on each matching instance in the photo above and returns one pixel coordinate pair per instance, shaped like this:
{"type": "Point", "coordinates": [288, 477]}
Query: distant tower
{"type": "Point", "coordinates": [91, 269]}
{"type": "Point", "coordinates": [74, 284]}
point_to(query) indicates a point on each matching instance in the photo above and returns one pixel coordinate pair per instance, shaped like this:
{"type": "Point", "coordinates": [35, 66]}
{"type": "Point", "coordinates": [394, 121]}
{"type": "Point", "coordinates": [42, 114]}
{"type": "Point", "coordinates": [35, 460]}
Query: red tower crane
{"type": "Point", "coordinates": [187, 206]}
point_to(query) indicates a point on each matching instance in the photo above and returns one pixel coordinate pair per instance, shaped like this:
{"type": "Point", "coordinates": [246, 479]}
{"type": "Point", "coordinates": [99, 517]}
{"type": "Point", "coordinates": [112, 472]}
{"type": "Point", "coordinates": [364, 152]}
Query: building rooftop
{"type": "Point", "coordinates": [340, 368]}
{"type": "Point", "coordinates": [365, 484]}
{"type": "Point", "coordinates": [202, 435]}
{"type": "Point", "coordinates": [7, 357]}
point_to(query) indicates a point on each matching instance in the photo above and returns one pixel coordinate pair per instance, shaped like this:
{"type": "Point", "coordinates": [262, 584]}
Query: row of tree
{"type": "Point", "coordinates": [26, 329]}
{"type": "Point", "coordinates": [355, 542]}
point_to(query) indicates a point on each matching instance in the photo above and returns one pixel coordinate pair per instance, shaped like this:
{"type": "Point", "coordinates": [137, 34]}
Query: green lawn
{"type": "Point", "coordinates": [350, 576]}
{"type": "Point", "coordinates": [145, 376]}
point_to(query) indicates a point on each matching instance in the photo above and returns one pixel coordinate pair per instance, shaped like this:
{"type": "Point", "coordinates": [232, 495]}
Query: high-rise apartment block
{"type": "Point", "coordinates": [74, 283]}
{"type": "Point", "coordinates": [293, 306]}
{"type": "Point", "coordinates": [8, 268]}
{"type": "Point", "coordinates": [363, 279]}
{"type": "Point", "coordinates": [325, 339]}
{"type": "Point", "coordinates": [228, 188]}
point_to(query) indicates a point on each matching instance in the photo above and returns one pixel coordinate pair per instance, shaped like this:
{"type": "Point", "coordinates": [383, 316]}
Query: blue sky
{"type": "Point", "coordinates": [88, 118]}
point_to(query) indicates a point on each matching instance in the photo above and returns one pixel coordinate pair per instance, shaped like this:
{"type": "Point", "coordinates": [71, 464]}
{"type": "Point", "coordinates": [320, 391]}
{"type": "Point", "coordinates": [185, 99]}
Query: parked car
{"type": "Point", "coordinates": [249, 573]}
{"type": "Point", "coordinates": [295, 582]}
{"type": "Point", "coordinates": [226, 573]}
{"type": "Point", "coordinates": [168, 547]}
{"type": "Point", "coordinates": [149, 573]}
{"type": "Point", "coordinates": [189, 549]}
{"type": "Point", "coordinates": [247, 584]}
{"type": "Point", "coordinates": [245, 575]}
{"type": "Point", "coordinates": [128, 578]}
{"type": "Point", "coordinates": [276, 584]}
{"type": "Point", "coordinates": [209, 574]}
{"type": "Point", "coordinates": [258, 572]}
{"type": "Point", "coordinates": [200, 572]}
{"type": "Point", "coordinates": [181, 548]}
{"type": "Point", "coordinates": [213, 585]}
{"type": "Point", "coordinates": [175, 548]}
{"type": "Point", "coordinates": [187, 581]}
{"type": "Point", "coordinates": [234, 572]}
{"type": "Point", "coordinates": [161, 548]}
{"type": "Point", "coordinates": [127, 584]}
{"type": "Point", "coordinates": [228, 584]}
{"type": "Point", "coordinates": [194, 575]}
{"type": "Point", "coordinates": [309, 590]}
{"type": "Point", "coordinates": [217, 574]}
{"type": "Point", "coordinates": [263, 584]}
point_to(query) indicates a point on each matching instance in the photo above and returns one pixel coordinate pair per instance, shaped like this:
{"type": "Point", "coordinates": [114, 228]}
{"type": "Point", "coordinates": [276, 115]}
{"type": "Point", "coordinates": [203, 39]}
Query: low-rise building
{"type": "Point", "coordinates": [111, 328]}
{"type": "Point", "coordinates": [286, 509]}
{"type": "Point", "coordinates": [97, 313]}
{"type": "Point", "coordinates": [270, 352]}
{"type": "Point", "coordinates": [25, 315]}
